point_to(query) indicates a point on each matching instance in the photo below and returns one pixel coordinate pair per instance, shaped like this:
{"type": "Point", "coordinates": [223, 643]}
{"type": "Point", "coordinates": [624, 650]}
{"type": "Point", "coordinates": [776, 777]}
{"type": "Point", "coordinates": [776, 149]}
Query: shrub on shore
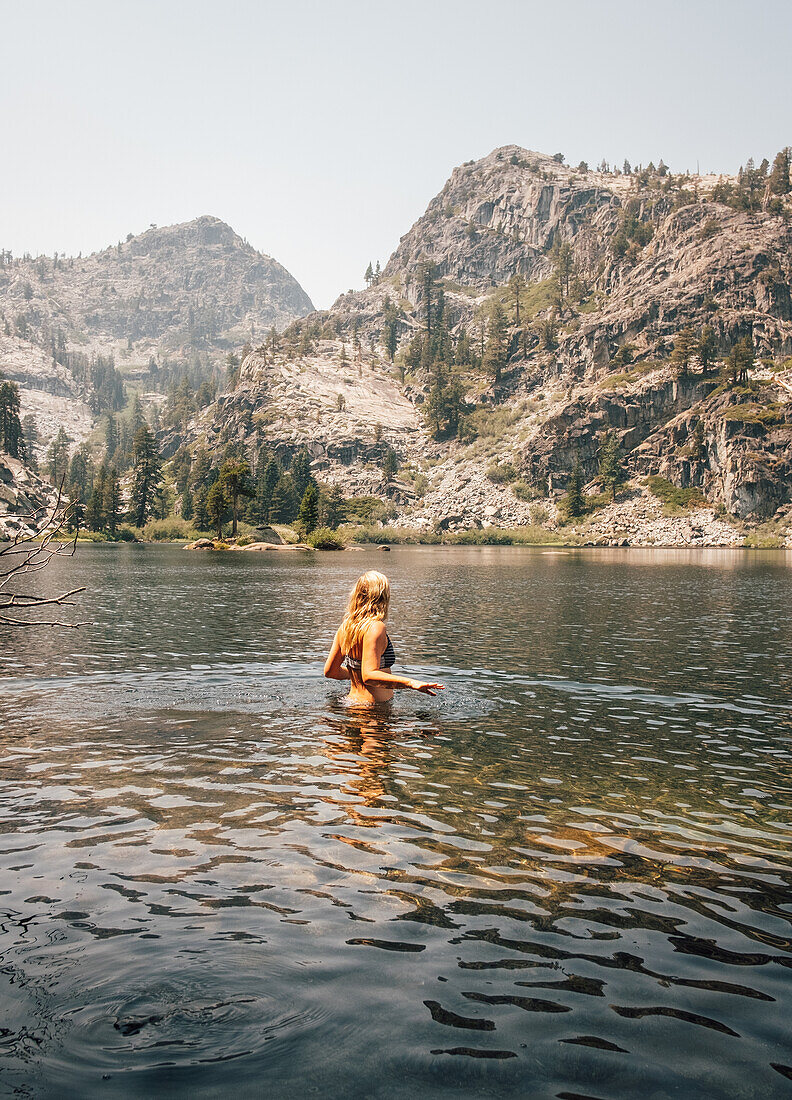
{"type": "Point", "coordinates": [325, 538]}
{"type": "Point", "coordinates": [672, 496]}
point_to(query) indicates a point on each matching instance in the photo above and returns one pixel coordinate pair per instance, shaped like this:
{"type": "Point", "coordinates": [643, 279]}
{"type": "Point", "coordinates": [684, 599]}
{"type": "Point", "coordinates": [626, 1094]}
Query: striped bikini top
{"type": "Point", "coordinates": [387, 660]}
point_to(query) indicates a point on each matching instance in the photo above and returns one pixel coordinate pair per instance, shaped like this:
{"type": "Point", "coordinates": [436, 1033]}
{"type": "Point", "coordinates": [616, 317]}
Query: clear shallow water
{"type": "Point", "coordinates": [569, 876]}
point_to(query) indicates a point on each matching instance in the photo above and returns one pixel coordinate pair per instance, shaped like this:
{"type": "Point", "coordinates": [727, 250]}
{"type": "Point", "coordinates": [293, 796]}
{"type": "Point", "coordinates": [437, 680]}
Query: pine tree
{"type": "Point", "coordinates": [738, 362]}
{"type": "Point", "coordinates": [574, 501]}
{"type": "Point", "coordinates": [390, 465]}
{"type": "Point", "coordinates": [369, 276]}
{"type": "Point", "coordinates": [94, 512]}
{"type": "Point", "coordinates": [611, 465]}
{"type": "Point", "coordinates": [301, 472]}
{"type": "Point", "coordinates": [12, 438]}
{"type": "Point", "coordinates": [427, 293]}
{"type": "Point", "coordinates": [564, 263]}
{"type": "Point", "coordinates": [200, 508]}
{"type": "Point", "coordinates": [187, 504]}
{"type": "Point", "coordinates": [146, 476]}
{"type": "Point", "coordinates": [684, 349]}
{"type": "Point", "coordinates": [268, 475]}
{"type": "Point", "coordinates": [283, 501]}
{"type": "Point", "coordinates": [78, 476]}
{"type": "Point", "coordinates": [111, 501]}
{"type": "Point", "coordinates": [390, 328]}
{"type": "Point", "coordinates": [57, 457]}
{"type": "Point", "coordinates": [706, 348]}
{"type": "Point", "coordinates": [309, 509]}
{"type": "Point", "coordinates": [235, 481]}
{"type": "Point", "coordinates": [516, 286]}
{"type": "Point", "coordinates": [199, 475]}
{"type": "Point", "coordinates": [30, 432]}
{"type": "Point", "coordinates": [331, 504]}
{"type": "Point", "coordinates": [111, 436]}
{"type": "Point", "coordinates": [495, 350]}
{"type": "Point", "coordinates": [137, 419]}
{"type": "Point", "coordinates": [217, 507]}
{"type": "Point", "coordinates": [779, 181]}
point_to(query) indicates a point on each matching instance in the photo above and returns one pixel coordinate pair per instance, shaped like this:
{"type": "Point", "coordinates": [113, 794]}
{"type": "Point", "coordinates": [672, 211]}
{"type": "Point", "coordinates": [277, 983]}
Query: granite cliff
{"type": "Point", "coordinates": [170, 298]}
{"type": "Point", "coordinates": [622, 298]}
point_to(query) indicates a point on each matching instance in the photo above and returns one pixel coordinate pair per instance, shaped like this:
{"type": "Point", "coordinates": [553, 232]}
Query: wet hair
{"type": "Point", "coordinates": [368, 602]}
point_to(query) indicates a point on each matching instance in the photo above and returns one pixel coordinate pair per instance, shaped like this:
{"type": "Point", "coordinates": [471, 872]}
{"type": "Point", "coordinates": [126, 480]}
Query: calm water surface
{"type": "Point", "coordinates": [567, 877]}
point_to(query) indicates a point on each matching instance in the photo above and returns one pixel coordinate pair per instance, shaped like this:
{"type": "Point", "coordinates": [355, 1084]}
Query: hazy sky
{"type": "Point", "coordinates": [321, 130]}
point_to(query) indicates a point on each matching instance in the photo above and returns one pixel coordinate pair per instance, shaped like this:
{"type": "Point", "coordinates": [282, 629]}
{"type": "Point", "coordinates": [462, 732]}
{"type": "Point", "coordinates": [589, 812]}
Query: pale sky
{"type": "Point", "coordinates": [320, 129]}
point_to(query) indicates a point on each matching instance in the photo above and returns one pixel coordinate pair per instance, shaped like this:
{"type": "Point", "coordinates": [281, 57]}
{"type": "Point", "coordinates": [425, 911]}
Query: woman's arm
{"type": "Point", "coordinates": [374, 643]}
{"type": "Point", "coordinates": [333, 668]}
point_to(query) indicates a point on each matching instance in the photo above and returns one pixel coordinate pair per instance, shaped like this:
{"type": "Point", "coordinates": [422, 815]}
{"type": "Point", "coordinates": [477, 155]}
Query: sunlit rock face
{"type": "Point", "coordinates": [652, 254]}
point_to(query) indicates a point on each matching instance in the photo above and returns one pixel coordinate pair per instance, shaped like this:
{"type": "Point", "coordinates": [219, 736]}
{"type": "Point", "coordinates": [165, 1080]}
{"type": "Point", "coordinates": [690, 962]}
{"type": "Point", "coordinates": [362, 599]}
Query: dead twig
{"type": "Point", "coordinates": [30, 553]}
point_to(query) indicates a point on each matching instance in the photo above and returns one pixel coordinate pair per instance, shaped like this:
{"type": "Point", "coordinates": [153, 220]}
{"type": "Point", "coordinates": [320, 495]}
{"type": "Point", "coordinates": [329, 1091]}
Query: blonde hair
{"type": "Point", "coordinates": [368, 602]}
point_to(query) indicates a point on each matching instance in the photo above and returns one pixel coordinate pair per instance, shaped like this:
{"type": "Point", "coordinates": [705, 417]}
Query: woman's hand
{"type": "Point", "coordinates": [427, 689]}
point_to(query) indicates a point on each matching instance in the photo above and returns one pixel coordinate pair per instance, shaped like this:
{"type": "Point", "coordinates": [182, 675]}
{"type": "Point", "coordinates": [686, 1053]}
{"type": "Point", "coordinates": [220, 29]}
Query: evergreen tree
{"type": "Point", "coordinates": [684, 350]}
{"type": "Point", "coordinates": [268, 473]}
{"type": "Point", "coordinates": [181, 467]}
{"type": "Point", "coordinates": [235, 480]}
{"type": "Point", "coordinates": [146, 476]}
{"type": "Point", "coordinates": [136, 418]}
{"type": "Point", "coordinates": [78, 476]}
{"type": "Point", "coordinates": [390, 465]}
{"type": "Point", "coordinates": [12, 439]}
{"type": "Point", "coordinates": [611, 465]}
{"type": "Point", "coordinates": [445, 405]}
{"type": "Point", "coordinates": [427, 275]}
{"type": "Point", "coordinates": [495, 350]}
{"type": "Point", "coordinates": [200, 508]}
{"type": "Point", "coordinates": [309, 509]}
{"type": "Point", "coordinates": [574, 501]}
{"type": "Point", "coordinates": [57, 457]}
{"type": "Point", "coordinates": [94, 512]}
{"type": "Point", "coordinates": [369, 276]}
{"type": "Point", "coordinates": [217, 507]}
{"type": "Point", "coordinates": [201, 467]}
{"type": "Point", "coordinates": [283, 502]}
{"type": "Point", "coordinates": [390, 328]}
{"type": "Point", "coordinates": [738, 362]}
{"type": "Point", "coordinates": [30, 432]}
{"type": "Point", "coordinates": [111, 501]}
{"type": "Point", "coordinates": [111, 435]}
{"type": "Point", "coordinates": [706, 348]}
{"type": "Point", "coordinates": [187, 504]}
{"type": "Point", "coordinates": [564, 263]}
{"type": "Point", "coordinates": [779, 181]}
{"type": "Point", "coordinates": [301, 472]}
{"type": "Point", "coordinates": [331, 504]}
{"type": "Point", "coordinates": [516, 286]}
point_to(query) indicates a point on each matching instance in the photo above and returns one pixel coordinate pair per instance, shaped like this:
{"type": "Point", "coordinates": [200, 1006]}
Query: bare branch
{"type": "Point", "coordinates": [30, 553]}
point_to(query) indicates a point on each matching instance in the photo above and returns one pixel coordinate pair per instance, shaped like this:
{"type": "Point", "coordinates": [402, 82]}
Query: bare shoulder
{"type": "Point", "coordinates": [376, 631]}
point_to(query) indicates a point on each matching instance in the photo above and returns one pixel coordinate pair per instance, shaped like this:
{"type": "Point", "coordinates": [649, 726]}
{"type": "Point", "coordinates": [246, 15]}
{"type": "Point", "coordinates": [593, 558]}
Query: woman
{"type": "Point", "coordinates": [362, 652]}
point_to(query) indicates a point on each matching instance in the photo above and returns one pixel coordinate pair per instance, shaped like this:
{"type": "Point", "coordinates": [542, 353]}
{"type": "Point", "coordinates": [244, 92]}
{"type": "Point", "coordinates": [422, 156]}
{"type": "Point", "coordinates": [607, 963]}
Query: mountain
{"type": "Point", "coordinates": [637, 290]}
{"type": "Point", "coordinates": [165, 301]}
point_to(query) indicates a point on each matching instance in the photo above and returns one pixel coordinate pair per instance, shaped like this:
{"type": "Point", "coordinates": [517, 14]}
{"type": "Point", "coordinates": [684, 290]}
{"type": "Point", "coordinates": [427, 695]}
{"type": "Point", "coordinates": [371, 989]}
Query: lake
{"type": "Point", "coordinates": [568, 876]}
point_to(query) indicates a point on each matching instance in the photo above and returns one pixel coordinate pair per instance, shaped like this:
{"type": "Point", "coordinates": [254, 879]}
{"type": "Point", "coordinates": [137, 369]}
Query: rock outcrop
{"type": "Point", "coordinates": [183, 294]}
{"type": "Point", "coordinates": [48, 392]}
{"type": "Point", "coordinates": [651, 255]}
{"type": "Point", "coordinates": [25, 500]}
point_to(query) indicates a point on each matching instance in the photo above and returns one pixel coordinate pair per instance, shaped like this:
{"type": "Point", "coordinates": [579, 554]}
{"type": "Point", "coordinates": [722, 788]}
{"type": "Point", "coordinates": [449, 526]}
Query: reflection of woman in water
{"type": "Point", "coordinates": [362, 652]}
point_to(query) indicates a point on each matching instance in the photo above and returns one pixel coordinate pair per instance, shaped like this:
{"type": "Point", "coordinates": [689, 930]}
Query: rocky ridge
{"type": "Point", "coordinates": [699, 262]}
{"type": "Point", "coordinates": [172, 293]}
